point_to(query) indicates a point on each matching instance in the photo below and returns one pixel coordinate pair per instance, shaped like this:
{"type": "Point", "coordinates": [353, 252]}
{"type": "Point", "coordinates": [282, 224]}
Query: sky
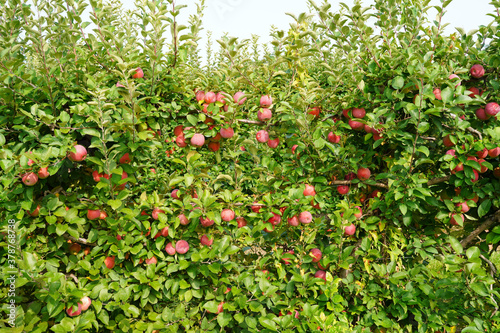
{"type": "Point", "coordinates": [242, 18]}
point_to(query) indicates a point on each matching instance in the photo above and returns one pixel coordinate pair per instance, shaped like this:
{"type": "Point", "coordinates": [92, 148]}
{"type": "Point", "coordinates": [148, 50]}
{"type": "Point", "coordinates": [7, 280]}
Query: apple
{"type": "Point", "coordinates": [333, 138]}
{"type": "Point", "coordinates": [350, 176]}
{"type": "Point", "coordinates": [174, 194]}
{"type": "Point", "coordinates": [451, 152]}
{"type": "Point", "coordinates": [494, 152]}
{"type": "Point", "coordinates": [30, 179]}
{"type": "Point", "coordinates": [206, 222]}
{"type": "Point", "coordinates": [210, 97]}
{"type": "Point", "coordinates": [305, 217]}
{"type": "Point", "coordinates": [358, 113]}
{"type": "Point", "coordinates": [454, 220]}
{"type": "Point", "coordinates": [138, 73]}
{"type": "Point", "coordinates": [125, 159]}
{"type": "Point", "coordinates": [350, 230]}
{"type": "Point", "coordinates": [273, 143]}
{"type": "Point", "coordinates": [178, 130]}
{"type": "Point", "coordinates": [180, 140]}
{"type": "Point", "coordinates": [491, 109]}
{"type": "Point", "coordinates": [119, 85]}
{"type": "Point", "coordinates": [35, 212]}
{"type": "Point", "coordinates": [437, 93]}
{"type": "Point", "coordinates": [86, 301]}
{"type": "Point", "coordinates": [43, 173]}
{"type": "Point", "coordinates": [356, 125]}
{"type": "Point", "coordinates": [241, 222]}
{"type": "Point", "coordinates": [481, 114]}
{"type": "Point", "coordinates": [368, 129]}
{"type": "Point", "coordinates": [262, 136]}
{"type": "Point", "coordinates": [151, 260]}
{"type": "Point", "coordinates": [226, 133]}
{"type": "Point", "coordinates": [75, 248]}
{"type": "Point", "coordinates": [309, 191]}
{"type": "Point", "coordinates": [477, 71]}
{"type": "Point", "coordinates": [364, 173]}
{"type": "Point", "coordinates": [204, 240]}
{"type": "Point", "coordinates": [266, 101]}
{"type": "Point", "coordinates": [345, 113]}
{"type": "Point", "coordinates": [483, 167]}
{"type": "Point", "coordinates": [93, 214]}
{"type": "Point", "coordinates": [239, 98]}
{"type": "Point", "coordinates": [464, 208]}
{"type": "Point", "coordinates": [96, 175]}
{"type": "Point", "coordinates": [343, 189]}
{"type": "Point", "coordinates": [264, 114]}
{"type": "Point", "coordinates": [156, 212]}
{"type": "Point", "coordinates": [72, 312]}
{"type": "Point", "coordinates": [359, 214]}
{"type": "Point", "coordinates": [447, 141]}
{"type": "Point", "coordinates": [458, 168]}
{"type": "Point", "coordinates": [102, 215]}
{"type": "Point", "coordinates": [200, 96]}
{"type": "Point", "coordinates": [214, 146]}
{"type": "Point", "coordinates": [79, 155]}
{"type": "Point", "coordinates": [320, 275]}
{"type": "Point", "coordinates": [293, 221]}
{"type": "Point", "coordinates": [482, 153]}
{"type": "Point", "coordinates": [455, 76]}
{"type": "Point", "coordinates": [315, 111]}
{"type": "Point", "coordinates": [198, 140]}
{"type": "Point", "coordinates": [315, 254]}
{"type": "Point", "coordinates": [496, 172]}
{"type": "Point", "coordinates": [109, 262]}
{"type": "Point", "coordinates": [255, 208]}
{"type": "Point", "coordinates": [170, 249]}
{"type": "Point", "coordinates": [181, 246]}
{"type": "Point", "coordinates": [476, 176]}
{"type": "Point", "coordinates": [220, 307]}
{"type": "Point", "coordinates": [474, 92]}
{"type": "Point", "coordinates": [219, 97]}
{"type": "Point", "coordinates": [275, 220]}
{"type": "Point", "coordinates": [294, 147]}
{"type": "Point", "coordinates": [227, 215]}
{"type": "Point", "coordinates": [120, 237]}
{"type": "Point", "coordinates": [287, 260]}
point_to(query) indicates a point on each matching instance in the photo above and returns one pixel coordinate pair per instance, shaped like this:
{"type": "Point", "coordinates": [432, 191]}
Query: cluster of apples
{"type": "Point", "coordinates": [354, 115]}
{"type": "Point", "coordinates": [264, 115]}
{"type": "Point", "coordinates": [83, 305]}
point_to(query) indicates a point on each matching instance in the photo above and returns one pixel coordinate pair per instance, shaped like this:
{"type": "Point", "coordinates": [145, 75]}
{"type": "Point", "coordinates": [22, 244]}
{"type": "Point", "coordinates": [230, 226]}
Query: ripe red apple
{"type": "Point", "coordinates": [454, 219]}
{"type": "Point", "coordinates": [151, 260]}
{"type": "Point", "coordinates": [210, 97]}
{"type": "Point", "coordinates": [305, 217]}
{"type": "Point", "coordinates": [227, 215]}
{"type": "Point", "coordinates": [156, 212]}
{"type": "Point", "coordinates": [273, 143]}
{"type": "Point", "coordinates": [206, 222]}
{"type": "Point", "coordinates": [119, 85]}
{"type": "Point", "coordinates": [350, 176]}
{"type": "Point", "coordinates": [309, 191]}
{"type": "Point", "coordinates": [220, 97]}
{"type": "Point", "coordinates": [198, 140]}
{"type": "Point", "coordinates": [102, 215]}
{"type": "Point", "coordinates": [367, 129]}
{"type": "Point", "coordinates": [293, 221]}
{"type": "Point", "coordinates": [464, 208]}
{"type": "Point", "coordinates": [333, 138]}
{"type": "Point", "coordinates": [358, 113]}
{"type": "Point", "coordinates": [262, 136]}
{"type": "Point", "coordinates": [174, 194]}
{"type": "Point", "coordinates": [482, 153]}
{"type": "Point", "coordinates": [204, 240]}
{"type": "Point", "coordinates": [109, 262]}
{"type": "Point", "coordinates": [239, 98]}
{"type": "Point", "coordinates": [181, 246]}
{"type": "Point", "coordinates": [227, 133]}
{"type": "Point", "coordinates": [79, 155]}
{"type": "Point", "coordinates": [178, 130]}
{"type": "Point", "coordinates": [220, 307]}
{"type": "Point", "coordinates": [214, 146]}
{"type": "Point", "coordinates": [437, 93]}
{"type": "Point", "coordinates": [43, 173]}
{"type": "Point", "coordinates": [320, 275]}
{"type": "Point", "coordinates": [477, 71]}
{"type": "Point", "coordinates": [241, 222]}
{"type": "Point", "coordinates": [364, 173]}
{"type": "Point", "coordinates": [72, 312]}
{"type": "Point", "coordinates": [30, 178]}
{"type": "Point", "coordinates": [458, 168]}
{"type": "Point", "coordinates": [200, 96]}
{"type": "Point", "coordinates": [86, 301]}
{"type": "Point", "coordinates": [494, 152]}
{"type": "Point", "coordinates": [481, 114]}
{"type": "Point", "coordinates": [266, 101]}
{"type": "Point", "coordinates": [217, 137]}
{"type": "Point", "coordinates": [96, 175]}
{"type": "Point", "coordinates": [183, 219]}
{"type": "Point", "coordinates": [264, 114]}
{"type": "Point", "coordinates": [275, 220]}
{"type": "Point", "coordinates": [356, 125]}
{"type": "Point", "coordinates": [255, 208]}
{"type": "Point", "coordinates": [476, 176]}
{"type": "Point", "coordinates": [315, 254]}
{"type": "Point", "coordinates": [451, 152]}
{"type": "Point", "coordinates": [180, 140]}
{"type": "Point", "coordinates": [447, 141]}
{"type": "Point", "coordinates": [75, 248]}
{"type": "Point", "coordinates": [474, 92]}
{"type": "Point", "coordinates": [359, 213]}
{"type": "Point", "coordinates": [455, 76]}
{"type": "Point", "coordinates": [35, 212]}
{"type": "Point", "coordinates": [343, 189]}
{"type": "Point", "coordinates": [345, 113]}
{"type": "Point", "coordinates": [138, 73]}
{"type": "Point", "coordinates": [287, 260]}
{"type": "Point", "coordinates": [125, 159]}
{"type": "Point", "coordinates": [491, 109]}
{"type": "Point", "coordinates": [170, 249]}
{"type": "Point", "coordinates": [350, 230]}
{"type": "Point", "coordinates": [93, 214]}
{"type": "Point", "coordinates": [294, 147]}
{"type": "Point", "coordinates": [315, 111]}
{"type": "Point", "coordinates": [483, 167]}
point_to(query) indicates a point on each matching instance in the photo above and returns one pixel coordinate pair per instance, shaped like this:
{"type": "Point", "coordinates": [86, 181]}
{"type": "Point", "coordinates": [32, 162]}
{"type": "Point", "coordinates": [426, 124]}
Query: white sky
{"type": "Point", "coordinates": [242, 18]}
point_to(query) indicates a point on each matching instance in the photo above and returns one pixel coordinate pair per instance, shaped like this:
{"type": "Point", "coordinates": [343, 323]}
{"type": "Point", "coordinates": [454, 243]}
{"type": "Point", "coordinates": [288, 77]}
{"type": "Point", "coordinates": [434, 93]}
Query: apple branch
{"type": "Point", "coordinates": [493, 219]}
{"type": "Point", "coordinates": [470, 129]}
{"type": "Point", "coordinates": [79, 240]}
{"type": "Point", "coordinates": [349, 182]}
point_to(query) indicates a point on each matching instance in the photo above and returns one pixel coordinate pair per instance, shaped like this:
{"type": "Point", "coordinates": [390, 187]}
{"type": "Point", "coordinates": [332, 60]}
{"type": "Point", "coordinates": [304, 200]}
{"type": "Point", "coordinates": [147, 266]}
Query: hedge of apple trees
{"type": "Point", "coordinates": [342, 178]}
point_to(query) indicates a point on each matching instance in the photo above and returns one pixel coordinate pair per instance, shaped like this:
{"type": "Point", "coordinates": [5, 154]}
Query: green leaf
{"type": "Point", "coordinates": [398, 82]}
{"type": "Point", "coordinates": [224, 319]}
{"type": "Point", "coordinates": [447, 95]}
{"type": "Point", "coordinates": [268, 323]}
{"type": "Point", "coordinates": [192, 119]}
{"type": "Point", "coordinates": [455, 244]}
{"type": "Point", "coordinates": [484, 208]}
{"type": "Point", "coordinates": [115, 204]}
{"type": "Point", "coordinates": [479, 288]}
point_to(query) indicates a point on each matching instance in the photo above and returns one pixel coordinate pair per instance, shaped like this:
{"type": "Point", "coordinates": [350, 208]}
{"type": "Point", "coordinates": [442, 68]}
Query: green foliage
{"type": "Point", "coordinates": [406, 268]}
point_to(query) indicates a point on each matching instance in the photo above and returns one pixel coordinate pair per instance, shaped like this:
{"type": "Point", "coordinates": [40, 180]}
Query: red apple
{"type": "Point", "coordinates": [241, 222]}
{"type": "Point", "coordinates": [496, 172]}
{"type": "Point", "coordinates": [102, 215]}
{"type": "Point", "coordinates": [482, 153]}
{"type": "Point", "coordinates": [109, 262]}
{"type": "Point", "coordinates": [204, 240]}
{"type": "Point", "coordinates": [220, 97]}
{"type": "Point", "coordinates": [464, 208]}
{"type": "Point", "coordinates": [358, 113]}
{"type": "Point", "coordinates": [181, 246]}
{"type": "Point", "coordinates": [151, 260]}
{"type": "Point", "coordinates": [183, 219]}
{"type": "Point", "coordinates": [206, 222]}
{"type": "Point", "coordinates": [477, 71]}
{"type": "Point", "coordinates": [491, 109]}
{"type": "Point", "coordinates": [170, 249]}
{"type": "Point", "coordinates": [262, 136]}
{"type": "Point", "coordinates": [119, 85]}
{"type": "Point", "coordinates": [447, 141]}
{"type": "Point", "coordinates": [180, 140]}
{"type": "Point", "coordinates": [275, 220]}
{"type": "Point", "coordinates": [227, 133]}
{"type": "Point", "coordinates": [174, 194]}
{"type": "Point", "coordinates": [86, 301]}
{"type": "Point", "coordinates": [455, 76]}
{"type": "Point", "coordinates": [138, 73]}
{"type": "Point", "coordinates": [483, 167]}
{"type": "Point", "coordinates": [350, 230]}
{"type": "Point", "coordinates": [93, 214]}
{"type": "Point", "coordinates": [200, 96]}
{"type": "Point", "coordinates": [156, 212]}
{"type": "Point", "coordinates": [350, 176]}
{"type": "Point", "coordinates": [454, 219]}
{"type": "Point", "coordinates": [287, 260]}
{"type": "Point", "coordinates": [494, 152]}
{"type": "Point", "coordinates": [266, 101]}
{"type": "Point", "coordinates": [30, 179]}
{"type": "Point", "coordinates": [356, 125]}
{"type": "Point", "coordinates": [239, 98]}
{"type": "Point", "coordinates": [476, 176]}
{"type": "Point", "coordinates": [264, 114]}
{"type": "Point", "coordinates": [227, 215]}
{"type": "Point", "coordinates": [178, 130]}
{"type": "Point", "coordinates": [43, 173]}
{"type": "Point", "coordinates": [198, 140]}
{"type": "Point", "coordinates": [451, 152]}
{"type": "Point", "coordinates": [320, 275]}
{"type": "Point", "coordinates": [437, 93]}
{"type": "Point", "coordinates": [481, 114]}
{"type": "Point", "coordinates": [364, 173]}
{"type": "Point", "coordinates": [293, 221]}
{"type": "Point", "coordinates": [359, 213]}
{"type": "Point", "coordinates": [315, 111]}
{"type": "Point", "coordinates": [273, 143]}
{"type": "Point", "coordinates": [75, 248]}
{"type": "Point", "coordinates": [210, 97]}
{"type": "Point", "coordinates": [220, 307]}
{"type": "Point", "coordinates": [72, 312]}
{"type": "Point", "coordinates": [474, 92]}
{"type": "Point", "coordinates": [305, 217]}
{"type": "Point", "coordinates": [79, 155]}
{"type": "Point", "coordinates": [214, 146]}
{"type": "Point", "coordinates": [333, 138]}
{"type": "Point", "coordinates": [343, 189]}
{"type": "Point", "coordinates": [309, 191]}
{"type": "Point", "coordinates": [345, 113]}
{"type": "Point", "coordinates": [294, 147]}
{"type": "Point", "coordinates": [255, 208]}
{"type": "Point", "coordinates": [35, 212]}
{"type": "Point", "coordinates": [315, 254]}
{"type": "Point", "coordinates": [125, 159]}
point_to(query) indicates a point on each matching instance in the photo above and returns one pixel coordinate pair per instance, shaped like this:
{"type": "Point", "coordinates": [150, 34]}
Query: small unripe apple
{"type": "Point", "coordinates": [180, 140]}
{"type": "Point", "coordinates": [241, 222]}
{"type": "Point", "coordinates": [170, 249]}
{"type": "Point", "coordinates": [491, 109]}
{"type": "Point", "coordinates": [206, 222]}
{"type": "Point", "coordinates": [273, 143]}
{"type": "Point", "coordinates": [151, 260]}
{"type": "Point", "coordinates": [358, 113]}
{"type": "Point", "coordinates": [437, 93]}
{"type": "Point", "coordinates": [43, 173]}
{"type": "Point", "coordinates": [125, 159]}
{"type": "Point", "coordinates": [227, 133]}
{"type": "Point", "coordinates": [75, 248]}
{"type": "Point", "coordinates": [210, 97]}
{"type": "Point", "coordinates": [239, 98]}
{"type": "Point", "coordinates": [198, 140]}
{"type": "Point", "coordinates": [266, 101]}
{"type": "Point", "coordinates": [262, 136]}
{"type": "Point", "coordinates": [364, 173]}
{"type": "Point", "coordinates": [293, 221]}
{"type": "Point", "coordinates": [156, 212]}
{"type": "Point", "coordinates": [320, 275]}
{"type": "Point", "coordinates": [79, 155]}
{"type": "Point", "coordinates": [316, 254]}
{"type": "Point", "coordinates": [138, 73]}
{"type": "Point", "coordinates": [204, 240]}
{"type": "Point", "coordinates": [494, 152]}
{"type": "Point", "coordinates": [93, 214]}
{"type": "Point", "coordinates": [343, 189]}
{"type": "Point", "coordinates": [264, 114]}
{"type": "Point", "coordinates": [200, 96]}
{"type": "Point", "coordinates": [333, 138]}
{"type": "Point", "coordinates": [86, 301]}
{"type": "Point", "coordinates": [356, 125]}
{"type": "Point", "coordinates": [350, 230]}
{"type": "Point", "coordinates": [305, 217]}
{"type": "Point", "coordinates": [214, 146]}
{"type": "Point", "coordinates": [309, 191]}
{"type": "Point", "coordinates": [72, 312]}
{"type": "Point", "coordinates": [181, 246]}
{"type": "Point", "coordinates": [35, 212]}
{"type": "Point", "coordinates": [481, 114]}
{"type": "Point", "coordinates": [30, 179]}
{"type": "Point", "coordinates": [109, 262]}
{"type": "Point", "coordinates": [477, 71]}
{"type": "Point", "coordinates": [227, 215]}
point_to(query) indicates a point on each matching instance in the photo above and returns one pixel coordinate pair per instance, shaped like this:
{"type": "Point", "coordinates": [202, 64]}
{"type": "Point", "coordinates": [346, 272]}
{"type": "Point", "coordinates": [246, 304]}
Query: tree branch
{"type": "Point", "coordinates": [79, 240]}
{"type": "Point", "coordinates": [493, 219]}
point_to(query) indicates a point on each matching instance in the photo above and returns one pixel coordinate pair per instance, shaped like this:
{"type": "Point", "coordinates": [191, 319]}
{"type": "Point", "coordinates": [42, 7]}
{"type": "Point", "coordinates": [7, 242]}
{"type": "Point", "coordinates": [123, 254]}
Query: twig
{"type": "Point", "coordinates": [348, 182]}
{"type": "Point", "coordinates": [494, 219]}
{"type": "Point", "coordinates": [79, 240]}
